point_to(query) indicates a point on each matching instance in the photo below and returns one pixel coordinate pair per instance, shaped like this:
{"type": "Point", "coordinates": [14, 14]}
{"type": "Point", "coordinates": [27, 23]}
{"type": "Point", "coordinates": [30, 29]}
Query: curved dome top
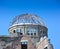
{"type": "Point", "coordinates": [28, 18]}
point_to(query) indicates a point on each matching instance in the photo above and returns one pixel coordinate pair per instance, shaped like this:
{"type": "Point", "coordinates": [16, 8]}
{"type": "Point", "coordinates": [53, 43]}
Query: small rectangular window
{"type": "Point", "coordinates": [31, 33]}
{"type": "Point", "coordinates": [28, 34]}
{"type": "Point", "coordinates": [34, 33]}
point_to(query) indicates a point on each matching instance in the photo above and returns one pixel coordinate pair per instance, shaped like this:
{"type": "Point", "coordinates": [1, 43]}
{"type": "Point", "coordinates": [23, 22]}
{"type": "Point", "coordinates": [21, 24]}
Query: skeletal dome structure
{"type": "Point", "coordinates": [28, 18]}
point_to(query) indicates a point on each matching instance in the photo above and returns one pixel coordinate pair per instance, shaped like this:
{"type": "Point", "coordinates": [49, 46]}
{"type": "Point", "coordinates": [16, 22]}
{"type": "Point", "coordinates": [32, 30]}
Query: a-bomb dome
{"type": "Point", "coordinates": [28, 18]}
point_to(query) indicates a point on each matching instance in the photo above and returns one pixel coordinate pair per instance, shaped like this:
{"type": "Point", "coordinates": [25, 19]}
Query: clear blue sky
{"type": "Point", "coordinates": [49, 10]}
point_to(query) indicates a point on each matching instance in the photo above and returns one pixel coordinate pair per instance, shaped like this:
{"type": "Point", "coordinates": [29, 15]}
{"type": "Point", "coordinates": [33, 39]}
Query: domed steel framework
{"type": "Point", "coordinates": [28, 18]}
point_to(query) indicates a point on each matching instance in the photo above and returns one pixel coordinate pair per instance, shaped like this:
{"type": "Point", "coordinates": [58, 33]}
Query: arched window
{"type": "Point", "coordinates": [13, 31]}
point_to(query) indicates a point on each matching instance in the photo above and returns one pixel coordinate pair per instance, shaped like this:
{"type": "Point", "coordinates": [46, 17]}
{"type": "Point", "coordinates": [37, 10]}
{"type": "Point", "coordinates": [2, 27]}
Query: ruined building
{"type": "Point", "coordinates": [27, 31]}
